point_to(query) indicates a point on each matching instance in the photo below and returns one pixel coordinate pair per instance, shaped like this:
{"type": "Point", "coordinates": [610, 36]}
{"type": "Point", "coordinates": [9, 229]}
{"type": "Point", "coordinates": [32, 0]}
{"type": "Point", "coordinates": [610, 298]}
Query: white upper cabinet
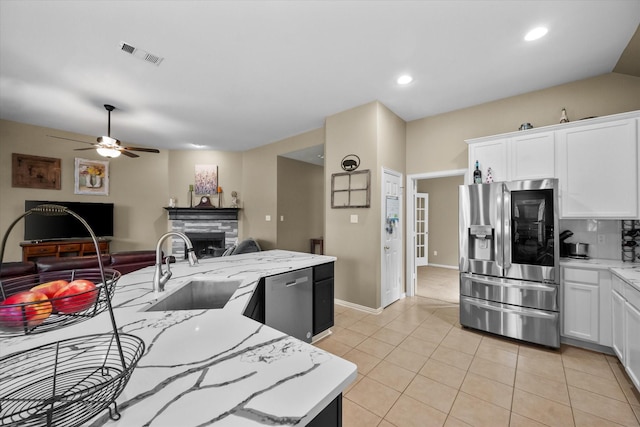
{"type": "Point", "coordinates": [598, 170]}
{"type": "Point", "coordinates": [596, 162]}
{"type": "Point", "coordinates": [489, 154]}
{"type": "Point", "coordinates": [533, 156]}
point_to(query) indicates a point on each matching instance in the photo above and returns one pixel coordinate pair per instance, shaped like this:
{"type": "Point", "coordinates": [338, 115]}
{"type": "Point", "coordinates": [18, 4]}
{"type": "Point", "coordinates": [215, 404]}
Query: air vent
{"type": "Point", "coordinates": [127, 47]}
{"type": "Point", "coordinates": [141, 54]}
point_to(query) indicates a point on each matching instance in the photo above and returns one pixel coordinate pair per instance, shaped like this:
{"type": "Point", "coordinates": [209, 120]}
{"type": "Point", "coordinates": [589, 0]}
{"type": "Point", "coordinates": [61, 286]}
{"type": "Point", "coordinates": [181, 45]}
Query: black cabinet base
{"type": "Point", "coordinates": [331, 415]}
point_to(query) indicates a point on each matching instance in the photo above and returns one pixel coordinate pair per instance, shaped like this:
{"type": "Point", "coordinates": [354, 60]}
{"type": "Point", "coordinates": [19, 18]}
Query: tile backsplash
{"type": "Point", "coordinates": [588, 230]}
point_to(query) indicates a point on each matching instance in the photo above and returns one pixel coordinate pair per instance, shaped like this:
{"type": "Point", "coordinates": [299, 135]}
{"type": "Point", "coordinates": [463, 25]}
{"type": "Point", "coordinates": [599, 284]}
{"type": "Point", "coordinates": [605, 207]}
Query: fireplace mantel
{"type": "Point", "coordinates": [203, 213]}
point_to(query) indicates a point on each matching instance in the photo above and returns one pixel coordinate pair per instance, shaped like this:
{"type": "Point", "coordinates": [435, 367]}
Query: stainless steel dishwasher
{"type": "Point", "coordinates": [288, 303]}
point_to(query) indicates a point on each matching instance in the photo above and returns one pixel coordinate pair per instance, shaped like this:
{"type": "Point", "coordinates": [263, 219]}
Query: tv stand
{"type": "Point", "coordinates": [34, 249]}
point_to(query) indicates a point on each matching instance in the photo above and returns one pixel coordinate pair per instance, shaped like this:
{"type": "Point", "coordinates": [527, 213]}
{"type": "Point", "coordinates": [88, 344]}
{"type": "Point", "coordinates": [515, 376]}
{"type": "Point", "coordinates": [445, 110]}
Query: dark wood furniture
{"type": "Point", "coordinates": [31, 251]}
{"type": "Point", "coordinates": [319, 243]}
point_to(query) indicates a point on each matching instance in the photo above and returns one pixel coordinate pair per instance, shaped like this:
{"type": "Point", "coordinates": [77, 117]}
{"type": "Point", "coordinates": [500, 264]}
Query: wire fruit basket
{"type": "Point", "coordinates": [68, 382]}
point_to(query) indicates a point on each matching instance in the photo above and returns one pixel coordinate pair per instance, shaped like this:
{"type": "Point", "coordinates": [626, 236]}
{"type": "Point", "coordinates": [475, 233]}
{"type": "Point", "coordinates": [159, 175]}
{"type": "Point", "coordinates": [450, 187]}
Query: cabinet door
{"type": "Point", "coordinates": [533, 156]}
{"type": "Point", "coordinates": [581, 317]}
{"type": "Point", "coordinates": [322, 305]}
{"type": "Point", "coordinates": [632, 343]}
{"type": "Point", "coordinates": [597, 165]}
{"type": "Point", "coordinates": [490, 154]}
{"type": "Point", "coordinates": [617, 324]}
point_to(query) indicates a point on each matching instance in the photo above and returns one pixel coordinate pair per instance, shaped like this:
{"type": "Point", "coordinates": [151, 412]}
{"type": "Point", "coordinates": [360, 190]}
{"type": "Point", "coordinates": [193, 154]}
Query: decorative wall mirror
{"type": "Point", "coordinates": [351, 189]}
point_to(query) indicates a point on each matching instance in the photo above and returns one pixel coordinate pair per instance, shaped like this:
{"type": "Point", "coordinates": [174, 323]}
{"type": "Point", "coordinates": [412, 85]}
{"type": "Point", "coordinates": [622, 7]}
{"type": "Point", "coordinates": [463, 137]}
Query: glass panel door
{"type": "Point", "coordinates": [532, 227]}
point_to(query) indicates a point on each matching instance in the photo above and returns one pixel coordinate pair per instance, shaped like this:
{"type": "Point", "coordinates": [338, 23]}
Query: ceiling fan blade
{"type": "Point", "coordinates": [146, 150]}
{"type": "Point", "coordinates": [129, 154]}
{"type": "Point", "coordinates": [70, 139]}
{"type": "Point", "coordinates": [82, 149]}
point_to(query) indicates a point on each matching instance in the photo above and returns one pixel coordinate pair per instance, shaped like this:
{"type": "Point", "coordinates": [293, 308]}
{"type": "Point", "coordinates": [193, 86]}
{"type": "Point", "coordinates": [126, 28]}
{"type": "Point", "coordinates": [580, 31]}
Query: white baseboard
{"type": "Point", "coordinates": [366, 309]}
{"type": "Point", "coordinates": [451, 267]}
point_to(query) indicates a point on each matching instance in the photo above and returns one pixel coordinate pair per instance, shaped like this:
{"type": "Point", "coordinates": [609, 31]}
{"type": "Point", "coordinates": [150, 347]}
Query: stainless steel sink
{"type": "Point", "coordinates": [197, 294]}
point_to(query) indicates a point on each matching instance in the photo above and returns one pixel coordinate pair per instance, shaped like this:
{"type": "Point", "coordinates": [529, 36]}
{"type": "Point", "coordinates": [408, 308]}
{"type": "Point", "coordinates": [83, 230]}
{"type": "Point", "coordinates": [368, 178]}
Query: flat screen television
{"type": "Point", "coordinates": [99, 216]}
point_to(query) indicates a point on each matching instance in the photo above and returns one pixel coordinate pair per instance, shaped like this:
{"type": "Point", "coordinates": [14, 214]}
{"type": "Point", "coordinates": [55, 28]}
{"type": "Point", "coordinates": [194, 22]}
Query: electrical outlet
{"type": "Point", "coordinates": [601, 239]}
{"type": "Point", "coordinates": [435, 253]}
{"type": "Point", "coordinates": [281, 218]}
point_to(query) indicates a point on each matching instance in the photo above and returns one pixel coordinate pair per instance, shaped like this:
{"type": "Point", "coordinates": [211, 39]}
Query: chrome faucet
{"type": "Point", "coordinates": [160, 278]}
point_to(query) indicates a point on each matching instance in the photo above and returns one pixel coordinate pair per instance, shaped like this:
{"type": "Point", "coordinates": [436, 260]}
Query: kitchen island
{"type": "Point", "coordinates": [203, 367]}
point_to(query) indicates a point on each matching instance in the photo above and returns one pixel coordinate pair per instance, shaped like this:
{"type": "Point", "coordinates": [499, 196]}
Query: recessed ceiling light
{"type": "Point", "coordinates": [197, 145]}
{"type": "Point", "coordinates": [536, 33]}
{"type": "Point", "coordinates": [405, 79]}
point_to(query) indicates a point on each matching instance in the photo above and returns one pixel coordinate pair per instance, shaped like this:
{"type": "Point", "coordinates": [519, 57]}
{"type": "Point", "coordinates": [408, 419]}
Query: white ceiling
{"type": "Point", "coordinates": [240, 74]}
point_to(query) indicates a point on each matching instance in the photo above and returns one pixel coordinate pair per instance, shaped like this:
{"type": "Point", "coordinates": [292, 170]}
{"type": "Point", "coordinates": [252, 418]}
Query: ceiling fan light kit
{"type": "Point", "coordinates": [111, 153]}
{"type": "Point", "coordinates": [108, 146]}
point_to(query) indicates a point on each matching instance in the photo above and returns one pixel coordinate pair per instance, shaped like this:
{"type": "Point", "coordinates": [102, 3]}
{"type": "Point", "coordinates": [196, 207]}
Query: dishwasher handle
{"type": "Point", "coordinates": [298, 281]}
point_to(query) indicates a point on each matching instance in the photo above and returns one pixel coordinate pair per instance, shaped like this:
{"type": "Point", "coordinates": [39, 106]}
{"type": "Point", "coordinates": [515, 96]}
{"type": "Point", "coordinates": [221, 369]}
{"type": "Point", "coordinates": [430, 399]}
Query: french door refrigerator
{"type": "Point", "coordinates": [509, 255]}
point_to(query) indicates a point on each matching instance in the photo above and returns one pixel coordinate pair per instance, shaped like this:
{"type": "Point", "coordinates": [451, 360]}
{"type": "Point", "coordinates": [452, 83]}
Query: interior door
{"type": "Point", "coordinates": [421, 229]}
{"type": "Point", "coordinates": [391, 238]}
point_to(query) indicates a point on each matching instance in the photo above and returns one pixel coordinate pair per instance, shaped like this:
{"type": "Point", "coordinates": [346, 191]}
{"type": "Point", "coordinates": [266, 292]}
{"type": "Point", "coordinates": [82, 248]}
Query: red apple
{"type": "Point", "coordinates": [50, 288]}
{"type": "Point", "coordinates": [24, 308]}
{"type": "Point", "coordinates": [76, 296]}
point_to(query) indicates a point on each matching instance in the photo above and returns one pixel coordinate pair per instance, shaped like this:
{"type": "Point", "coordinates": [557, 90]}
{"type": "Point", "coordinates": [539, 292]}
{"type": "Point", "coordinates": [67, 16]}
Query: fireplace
{"type": "Point", "coordinates": [207, 245]}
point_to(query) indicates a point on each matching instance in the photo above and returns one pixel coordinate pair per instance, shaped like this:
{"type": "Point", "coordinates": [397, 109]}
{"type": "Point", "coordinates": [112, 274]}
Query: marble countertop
{"type": "Point", "coordinates": [213, 366]}
{"type": "Point", "coordinates": [627, 271]}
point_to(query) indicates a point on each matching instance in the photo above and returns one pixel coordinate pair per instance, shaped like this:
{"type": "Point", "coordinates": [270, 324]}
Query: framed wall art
{"type": "Point", "coordinates": [91, 177]}
{"type": "Point", "coordinates": [206, 179]}
{"type": "Point", "coordinates": [35, 172]}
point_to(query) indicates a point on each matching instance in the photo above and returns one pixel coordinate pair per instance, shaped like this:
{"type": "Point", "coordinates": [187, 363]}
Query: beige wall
{"type": "Point", "coordinates": [436, 143]}
{"type": "Point", "coordinates": [376, 135]}
{"type": "Point", "coordinates": [138, 187]}
{"type": "Point", "coordinates": [300, 204]}
{"type": "Point", "coordinates": [260, 185]}
{"type": "Point", "coordinates": [442, 218]}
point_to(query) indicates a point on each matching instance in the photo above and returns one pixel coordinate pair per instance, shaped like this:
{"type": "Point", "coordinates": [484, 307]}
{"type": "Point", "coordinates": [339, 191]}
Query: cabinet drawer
{"type": "Point", "coordinates": [40, 250]}
{"type": "Point", "coordinates": [632, 296]}
{"type": "Point", "coordinates": [71, 247]}
{"type": "Point", "coordinates": [582, 276]}
{"type": "Point", "coordinates": [90, 247]}
{"type": "Point", "coordinates": [323, 271]}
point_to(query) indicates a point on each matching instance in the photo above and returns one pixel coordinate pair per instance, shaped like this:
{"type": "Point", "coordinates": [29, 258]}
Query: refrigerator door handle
{"type": "Point", "coordinates": [487, 305]}
{"type": "Point", "coordinates": [505, 283]}
{"type": "Point", "coordinates": [506, 223]}
{"type": "Point", "coordinates": [498, 249]}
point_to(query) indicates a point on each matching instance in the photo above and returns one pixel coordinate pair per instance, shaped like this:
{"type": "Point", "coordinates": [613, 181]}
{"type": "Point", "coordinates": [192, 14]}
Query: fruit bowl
{"type": "Point", "coordinates": [41, 302]}
{"type": "Point", "coordinates": [68, 382]}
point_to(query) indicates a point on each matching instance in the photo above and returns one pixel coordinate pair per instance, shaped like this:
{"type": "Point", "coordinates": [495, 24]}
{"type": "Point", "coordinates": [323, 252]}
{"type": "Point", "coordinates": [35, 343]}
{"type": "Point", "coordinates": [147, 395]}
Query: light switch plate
{"type": "Point", "coordinates": [267, 218]}
{"type": "Point", "coordinates": [354, 219]}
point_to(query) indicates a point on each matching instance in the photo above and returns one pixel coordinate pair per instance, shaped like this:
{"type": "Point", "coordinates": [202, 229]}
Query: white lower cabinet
{"type": "Point", "coordinates": [617, 322]}
{"type": "Point", "coordinates": [586, 307]}
{"type": "Point", "coordinates": [581, 311]}
{"type": "Point", "coordinates": [632, 342]}
{"type": "Point", "coordinates": [625, 322]}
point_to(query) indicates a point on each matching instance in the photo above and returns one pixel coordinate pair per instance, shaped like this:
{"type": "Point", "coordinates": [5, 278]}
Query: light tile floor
{"type": "Point", "coordinates": [418, 367]}
{"type": "Point", "coordinates": [438, 283]}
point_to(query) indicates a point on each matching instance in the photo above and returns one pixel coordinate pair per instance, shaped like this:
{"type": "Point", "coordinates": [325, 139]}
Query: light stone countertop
{"type": "Point", "coordinates": [204, 366]}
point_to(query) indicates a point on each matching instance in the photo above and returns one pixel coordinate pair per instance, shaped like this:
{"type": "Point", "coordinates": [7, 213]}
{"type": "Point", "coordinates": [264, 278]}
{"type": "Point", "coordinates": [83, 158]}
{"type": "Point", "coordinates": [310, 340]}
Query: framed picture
{"type": "Point", "coordinates": [35, 172]}
{"type": "Point", "coordinates": [91, 177]}
{"type": "Point", "coordinates": [206, 179]}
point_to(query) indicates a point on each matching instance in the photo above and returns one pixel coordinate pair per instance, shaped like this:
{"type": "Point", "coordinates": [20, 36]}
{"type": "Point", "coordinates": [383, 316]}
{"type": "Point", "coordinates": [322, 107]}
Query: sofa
{"type": "Point", "coordinates": [123, 262]}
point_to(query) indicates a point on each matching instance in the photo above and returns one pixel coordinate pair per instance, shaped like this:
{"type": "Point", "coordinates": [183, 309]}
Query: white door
{"type": "Point", "coordinates": [421, 228]}
{"type": "Point", "coordinates": [391, 238]}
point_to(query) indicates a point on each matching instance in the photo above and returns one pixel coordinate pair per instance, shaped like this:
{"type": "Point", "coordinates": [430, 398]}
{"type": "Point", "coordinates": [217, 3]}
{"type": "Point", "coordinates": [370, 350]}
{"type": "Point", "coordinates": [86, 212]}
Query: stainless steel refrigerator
{"type": "Point", "coordinates": [509, 255]}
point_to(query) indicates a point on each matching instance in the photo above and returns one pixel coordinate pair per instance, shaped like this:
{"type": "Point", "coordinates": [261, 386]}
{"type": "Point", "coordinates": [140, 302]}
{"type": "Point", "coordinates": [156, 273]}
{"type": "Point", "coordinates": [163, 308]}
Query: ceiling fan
{"type": "Point", "coordinates": [107, 146]}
